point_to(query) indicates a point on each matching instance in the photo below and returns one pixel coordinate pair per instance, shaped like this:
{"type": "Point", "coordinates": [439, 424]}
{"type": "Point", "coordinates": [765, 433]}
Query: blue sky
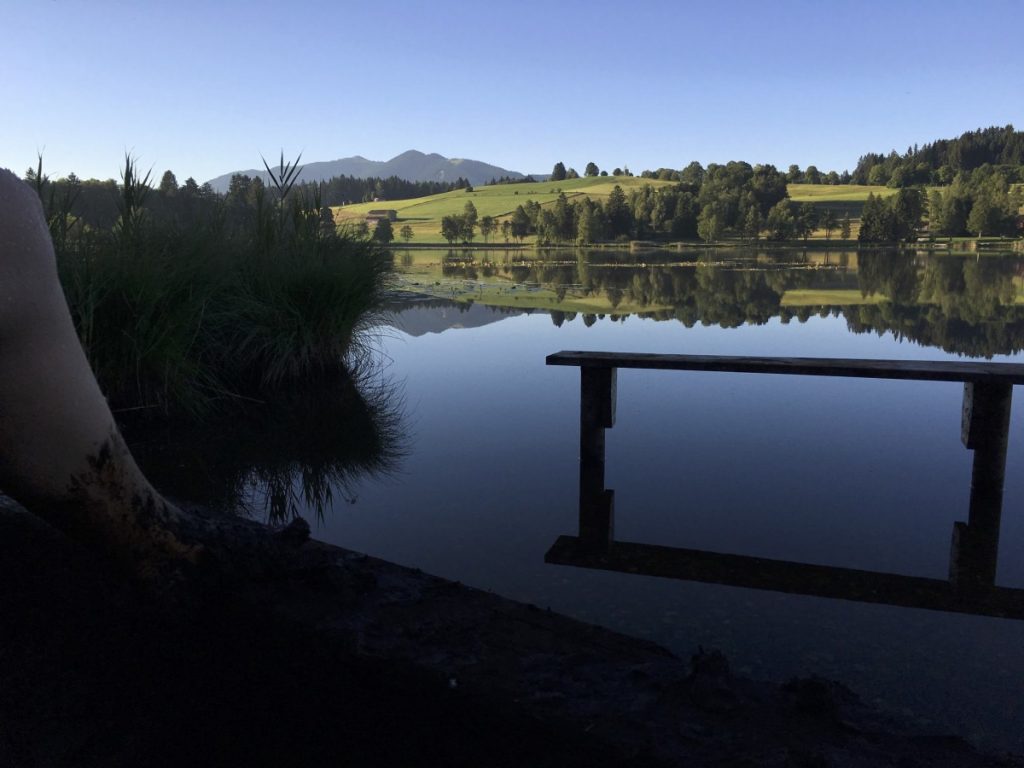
{"type": "Point", "coordinates": [204, 88]}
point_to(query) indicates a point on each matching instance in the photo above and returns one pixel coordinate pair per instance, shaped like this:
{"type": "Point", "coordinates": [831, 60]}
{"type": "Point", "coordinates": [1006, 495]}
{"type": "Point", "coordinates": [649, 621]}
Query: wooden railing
{"type": "Point", "coordinates": [988, 389]}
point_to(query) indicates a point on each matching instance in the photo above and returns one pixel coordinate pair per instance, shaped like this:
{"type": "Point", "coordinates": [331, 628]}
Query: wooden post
{"type": "Point", "coordinates": [985, 430]}
{"type": "Point", "coordinates": [597, 413]}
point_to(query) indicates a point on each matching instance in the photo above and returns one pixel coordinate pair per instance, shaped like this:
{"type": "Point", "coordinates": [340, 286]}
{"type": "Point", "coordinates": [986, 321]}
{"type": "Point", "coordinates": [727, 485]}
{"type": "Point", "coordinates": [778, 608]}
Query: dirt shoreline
{"type": "Point", "coordinates": [350, 660]}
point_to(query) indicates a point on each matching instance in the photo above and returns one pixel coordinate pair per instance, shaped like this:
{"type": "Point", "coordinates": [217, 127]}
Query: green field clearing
{"type": "Point", "coordinates": [424, 214]}
{"type": "Point", "coordinates": [801, 297]}
{"type": "Point", "coordinates": [844, 199]}
{"type": "Point", "coordinates": [827, 193]}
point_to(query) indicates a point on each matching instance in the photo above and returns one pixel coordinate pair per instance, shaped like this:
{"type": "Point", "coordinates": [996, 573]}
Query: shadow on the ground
{"type": "Point", "coordinates": [94, 673]}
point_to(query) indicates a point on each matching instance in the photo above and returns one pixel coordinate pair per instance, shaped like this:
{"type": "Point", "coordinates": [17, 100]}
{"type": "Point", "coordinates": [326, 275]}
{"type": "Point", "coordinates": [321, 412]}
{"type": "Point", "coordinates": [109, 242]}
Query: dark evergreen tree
{"type": "Point", "coordinates": [168, 184]}
{"type": "Point", "coordinates": [383, 233]}
{"type": "Point", "coordinates": [620, 217]}
{"type": "Point", "coordinates": [875, 226]}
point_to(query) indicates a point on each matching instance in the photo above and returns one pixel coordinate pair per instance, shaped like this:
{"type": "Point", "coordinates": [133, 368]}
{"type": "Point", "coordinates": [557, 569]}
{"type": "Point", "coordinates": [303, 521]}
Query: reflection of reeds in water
{"type": "Point", "coordinates": [298, 452]}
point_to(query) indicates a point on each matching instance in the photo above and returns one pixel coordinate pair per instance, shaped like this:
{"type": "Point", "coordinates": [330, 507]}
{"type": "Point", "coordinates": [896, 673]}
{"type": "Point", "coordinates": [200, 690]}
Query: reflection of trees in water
{"type": "Point", "coordinates": [730, 298]}
{"type": "Point", "coordinates": [969, 289]}
{"type": "Point", "coordinates": [709, 295]}
{"type": "Point", "coordinates": [962, 305]}
{"type": "Point", "coordinates": [559, 318]}
{"type": "Point", "coordinates": [300, 450]}
{"type": "Point", "coordinates": [929, 326]}
{"type": "Point", "coordinates": [889, 273]}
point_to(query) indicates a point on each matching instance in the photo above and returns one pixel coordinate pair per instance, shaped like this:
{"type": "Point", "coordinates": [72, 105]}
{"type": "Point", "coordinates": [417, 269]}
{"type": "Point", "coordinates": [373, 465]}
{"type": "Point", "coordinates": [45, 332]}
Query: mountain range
{"type": "Point", "coordinates": [411, 166]}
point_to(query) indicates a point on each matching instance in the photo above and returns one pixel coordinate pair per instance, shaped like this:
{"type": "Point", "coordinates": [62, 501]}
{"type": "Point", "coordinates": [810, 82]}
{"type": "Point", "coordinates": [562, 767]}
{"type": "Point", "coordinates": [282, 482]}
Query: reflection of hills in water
{"type": "Point", "coordinates": [963, 305]}
{"type": "Point", "coordinates": [424, 316]}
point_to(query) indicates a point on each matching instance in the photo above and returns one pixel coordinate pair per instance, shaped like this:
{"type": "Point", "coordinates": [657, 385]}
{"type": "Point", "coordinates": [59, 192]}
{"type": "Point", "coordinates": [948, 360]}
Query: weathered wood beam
{"type": "Point", "coordinates": [917, 370]}
{"type": "Point", "coordinates": [985, 430]}
{"type": "Point", "coordinates": [597, 413]}
{"type": "Point", "coordinates": [786, 576]}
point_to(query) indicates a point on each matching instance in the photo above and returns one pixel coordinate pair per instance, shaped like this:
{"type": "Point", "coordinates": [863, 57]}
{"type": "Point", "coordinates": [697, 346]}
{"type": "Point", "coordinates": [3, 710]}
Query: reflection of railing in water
{"type": "Point", "coordinates": [971, 587]}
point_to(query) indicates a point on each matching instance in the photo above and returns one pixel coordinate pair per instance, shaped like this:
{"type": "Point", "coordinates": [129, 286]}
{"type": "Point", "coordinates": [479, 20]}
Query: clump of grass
{"type": "Point", "coordinates": [304, 313]}
{"type": "Point", "coordinates": [142, 316]}
{"type": "Point", "coordinates": [193, 304]}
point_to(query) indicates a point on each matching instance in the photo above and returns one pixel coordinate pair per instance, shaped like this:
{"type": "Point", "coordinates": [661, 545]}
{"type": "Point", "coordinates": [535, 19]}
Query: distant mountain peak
{"type": "Point", "coordinates": [411, 165]}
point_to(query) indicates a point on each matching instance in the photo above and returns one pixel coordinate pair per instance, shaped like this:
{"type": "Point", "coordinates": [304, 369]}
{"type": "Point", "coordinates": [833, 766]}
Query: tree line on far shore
{"type": "Point", "coordinates": [982, 204]}
{"type": "Point", "coordinates": [934, 164]}
{"type": "Point", "coordinates": [735, 199]}
{"type": "Point", "coordinates": [745, 202]}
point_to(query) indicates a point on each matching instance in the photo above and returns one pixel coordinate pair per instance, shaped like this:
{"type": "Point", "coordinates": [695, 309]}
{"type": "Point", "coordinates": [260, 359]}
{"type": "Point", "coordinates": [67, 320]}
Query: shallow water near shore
{"type": "Point", "coordinates": [852, 473]}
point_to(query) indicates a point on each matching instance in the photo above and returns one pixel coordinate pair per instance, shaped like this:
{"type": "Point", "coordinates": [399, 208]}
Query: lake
{"type": "Point", "coordinates": [482, 443]}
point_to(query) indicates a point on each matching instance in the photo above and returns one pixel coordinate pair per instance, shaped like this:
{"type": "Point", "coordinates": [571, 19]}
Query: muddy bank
{"type": "Point", "coordinates": [349, 660]}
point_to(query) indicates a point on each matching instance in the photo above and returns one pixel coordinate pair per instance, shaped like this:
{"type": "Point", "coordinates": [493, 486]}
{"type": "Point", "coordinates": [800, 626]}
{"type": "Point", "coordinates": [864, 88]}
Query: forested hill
{"type": "Point", "coordinates": [409, 166]}
{"type": "Point", "coordinates": [936, 163]}
{"type": "Point", "coordinates": [939, 162]}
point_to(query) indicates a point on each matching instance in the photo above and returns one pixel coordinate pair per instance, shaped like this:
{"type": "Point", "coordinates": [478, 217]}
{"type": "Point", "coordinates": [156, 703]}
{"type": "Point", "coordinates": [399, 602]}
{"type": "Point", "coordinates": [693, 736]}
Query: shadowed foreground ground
{"type": "Point", "coordinates": [92, 673]}
{"type": "Point", "coordinates": [359, 662]}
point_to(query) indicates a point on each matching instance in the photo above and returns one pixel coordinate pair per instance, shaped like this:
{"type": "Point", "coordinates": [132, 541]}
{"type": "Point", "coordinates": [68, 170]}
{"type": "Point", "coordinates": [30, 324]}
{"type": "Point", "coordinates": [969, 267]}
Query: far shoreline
{"type": "Point", "coordinates": [960, 245]}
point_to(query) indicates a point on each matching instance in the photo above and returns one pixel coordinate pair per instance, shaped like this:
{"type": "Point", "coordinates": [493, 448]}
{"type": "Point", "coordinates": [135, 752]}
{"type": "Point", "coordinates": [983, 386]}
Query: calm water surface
{"type": "Point", "coordinates": [856, 473]}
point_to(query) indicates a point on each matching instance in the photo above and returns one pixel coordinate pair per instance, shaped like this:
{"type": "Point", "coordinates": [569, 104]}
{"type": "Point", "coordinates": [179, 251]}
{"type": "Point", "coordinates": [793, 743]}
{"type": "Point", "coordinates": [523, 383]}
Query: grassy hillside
{"type": "Point", "coordinates": [847, 193]}
{"type": "Point", "coordinates": [844, 199]}
{"type": "Point", "coordinates": [424, 214]}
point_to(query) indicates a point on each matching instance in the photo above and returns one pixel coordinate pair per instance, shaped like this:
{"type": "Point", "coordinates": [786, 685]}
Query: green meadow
{"type": "Point", "coordinates": [801, 297]}
{"type": "Point", "coordinates": [829, 193]}
{"type": "Point", "coordinates": [844, 199]}
{"type": "Point", "coordinates": [424, 214]}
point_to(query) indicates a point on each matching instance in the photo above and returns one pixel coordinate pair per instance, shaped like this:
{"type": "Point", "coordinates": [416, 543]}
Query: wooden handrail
{"type": "Point", "coordinates": [988, 390]}
{"type": "Point", "coordinates": [918, 370]}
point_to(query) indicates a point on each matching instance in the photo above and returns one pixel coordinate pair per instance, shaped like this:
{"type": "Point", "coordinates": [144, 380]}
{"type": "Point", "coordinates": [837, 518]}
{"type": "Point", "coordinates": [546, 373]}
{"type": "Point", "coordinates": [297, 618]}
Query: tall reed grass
{"type": "Point", "coordinates": [194, 306]}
